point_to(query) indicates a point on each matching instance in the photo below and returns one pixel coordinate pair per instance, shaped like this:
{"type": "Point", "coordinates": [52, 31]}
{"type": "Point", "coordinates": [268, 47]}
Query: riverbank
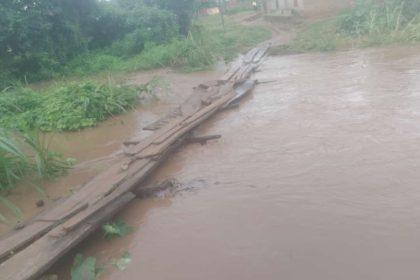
{"type": "Point", "coordinates": [365, 24]}
{"type": "Point", "coordinates": [74, 102]}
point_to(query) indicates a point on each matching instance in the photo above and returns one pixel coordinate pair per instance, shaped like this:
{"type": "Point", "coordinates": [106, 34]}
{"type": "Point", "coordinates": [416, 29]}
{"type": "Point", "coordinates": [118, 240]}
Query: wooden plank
{"type": "Point", "coordinates": [260, 54]}
{"type": "Point", "coordinates": [235, 66]}
{"type": "Point", "coordinates": [38, 227]}
{"type": "Point", "coordinates": [203, 139]}
{"type": "Point", "coordinates": [250, 55]}
{"type": "Point", "coordinates": [39, 256]}
{"type": "Point", "coordinates": [89, 194]}
{"type": "Point", "coordinates": [241, 91]}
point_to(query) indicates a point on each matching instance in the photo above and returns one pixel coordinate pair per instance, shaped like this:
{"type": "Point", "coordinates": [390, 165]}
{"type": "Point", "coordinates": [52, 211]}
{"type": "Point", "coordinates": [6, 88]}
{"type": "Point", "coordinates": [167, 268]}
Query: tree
{"type": "Point", "coordinates": [183, 9]}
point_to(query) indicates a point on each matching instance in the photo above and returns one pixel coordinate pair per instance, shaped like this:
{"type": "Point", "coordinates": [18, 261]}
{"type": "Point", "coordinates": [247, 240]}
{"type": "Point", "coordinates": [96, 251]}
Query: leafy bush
{"type": "Point", "coordinates": [70, 107]}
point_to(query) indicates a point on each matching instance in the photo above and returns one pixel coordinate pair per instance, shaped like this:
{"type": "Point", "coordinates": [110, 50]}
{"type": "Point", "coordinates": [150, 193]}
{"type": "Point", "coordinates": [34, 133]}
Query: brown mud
{"type": "Point", "coordinates": [315, 177]}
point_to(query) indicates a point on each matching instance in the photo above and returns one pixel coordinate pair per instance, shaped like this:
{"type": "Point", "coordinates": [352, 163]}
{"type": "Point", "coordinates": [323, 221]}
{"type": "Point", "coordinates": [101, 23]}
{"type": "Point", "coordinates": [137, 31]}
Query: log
{"type": "Point", "coordinates": [235, 66]}
{"type": "Point", "coordinates": [241, 91]}
{"type": "Point", "coordinates": [38, 257]}
{"type": "Point", "coordinates": [203, 139]}
{"type": "Point", "coordinates": [232, 106]}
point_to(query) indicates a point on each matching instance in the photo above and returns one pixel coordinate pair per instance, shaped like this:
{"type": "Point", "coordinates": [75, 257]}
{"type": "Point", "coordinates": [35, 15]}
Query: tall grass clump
{"type": "Point", "coordinates": [27, 154]}
{"type": "Point", "coordinates": [367, 23]}
{"type": "Point", "coordinates": [64, 108]}
{"type": "Point", "coordinates": [26, 157]}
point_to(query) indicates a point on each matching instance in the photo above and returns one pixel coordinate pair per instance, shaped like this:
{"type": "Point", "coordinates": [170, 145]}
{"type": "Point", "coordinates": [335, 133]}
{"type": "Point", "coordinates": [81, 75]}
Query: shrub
{"type": "Point", "coordinates": [69, 107]}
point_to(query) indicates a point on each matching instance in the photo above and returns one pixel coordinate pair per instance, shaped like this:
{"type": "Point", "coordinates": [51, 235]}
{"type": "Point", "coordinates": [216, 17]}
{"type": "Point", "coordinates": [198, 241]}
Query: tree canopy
{"type": "Point", "coordinates": [37, 37]}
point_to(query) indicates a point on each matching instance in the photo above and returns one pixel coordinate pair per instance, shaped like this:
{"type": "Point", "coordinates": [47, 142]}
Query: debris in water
{"type": "Point", "coordinates": [40, 203]}
{"type": "Point", "coordinates": [118, 228]}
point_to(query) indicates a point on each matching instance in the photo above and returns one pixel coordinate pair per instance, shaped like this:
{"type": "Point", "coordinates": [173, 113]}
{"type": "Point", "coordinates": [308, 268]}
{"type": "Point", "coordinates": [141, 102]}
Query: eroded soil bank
{"type": "Point", "coordinates": [315, 177]}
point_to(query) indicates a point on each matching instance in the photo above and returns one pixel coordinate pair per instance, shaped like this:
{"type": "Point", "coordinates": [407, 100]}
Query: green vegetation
{"type": "Point", "coordinates": [122, 262]}
{"type": "Point", "coordinates": [49, 39]}
{"type": "Point", "coordinates": [27, 154]}
{"type": "Point", "coordinates": [39, 37]}
{"type": "Point", "coordinates": [88, 269]}
{"type": "Point", "coordinates": [26, 157]}
{"type": "Point", "coordinates": [206, 42]}
{"type": "Point", "coordinates": [116, 229]}
{"type": "Point", "coordinates": [367, 23]}
{"type": "Point", "coordinates": [68, 107]}
{"type": "Point", "coordinates": [84, 268]}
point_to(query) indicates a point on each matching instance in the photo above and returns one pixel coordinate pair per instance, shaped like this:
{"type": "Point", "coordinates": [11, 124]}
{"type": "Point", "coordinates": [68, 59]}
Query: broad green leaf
{"type": "Point", "coordinates": [83, 268]}
{"type": "Point", "coordinates": [116, 228]}
{"type": "Point", "coordinates": [123, 262]}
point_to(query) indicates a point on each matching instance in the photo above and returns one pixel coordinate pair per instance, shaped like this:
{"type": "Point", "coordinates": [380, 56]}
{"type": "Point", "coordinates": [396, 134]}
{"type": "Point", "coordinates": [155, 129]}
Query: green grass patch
{"type": "Point", "coordinates": [368, 23]}
{"type": "Point", "coordinates": [25, 156]}
{"type": "Point", "coordinates": [62, 108]}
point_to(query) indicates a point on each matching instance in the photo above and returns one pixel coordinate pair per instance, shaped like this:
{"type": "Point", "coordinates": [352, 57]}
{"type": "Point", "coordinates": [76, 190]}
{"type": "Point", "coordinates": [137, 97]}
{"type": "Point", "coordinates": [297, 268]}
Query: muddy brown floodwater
{"type": "Point", "coordinates": [317, 176]}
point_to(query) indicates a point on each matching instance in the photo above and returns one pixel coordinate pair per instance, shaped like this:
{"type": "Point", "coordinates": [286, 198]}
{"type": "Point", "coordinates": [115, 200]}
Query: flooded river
{"type": "Point", "coordinates": [316, 177]}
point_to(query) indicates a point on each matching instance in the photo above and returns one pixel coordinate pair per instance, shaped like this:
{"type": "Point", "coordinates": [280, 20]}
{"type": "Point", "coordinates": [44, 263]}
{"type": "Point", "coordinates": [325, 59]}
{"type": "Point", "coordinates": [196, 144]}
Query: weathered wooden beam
{"type": "Point", "coordinates": [203, 139]}
{"type": "Point", "coordinates": [41, 224]}
{"type": "Point", "coordinates": [38, 257]}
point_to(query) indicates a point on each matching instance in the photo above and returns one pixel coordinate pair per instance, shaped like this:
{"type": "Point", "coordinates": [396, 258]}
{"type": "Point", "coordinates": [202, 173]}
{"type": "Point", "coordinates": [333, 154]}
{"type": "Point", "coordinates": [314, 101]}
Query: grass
{"type": "Point", "coordinates": [67, 107]}
{"type": "Point", "coordinates": [368, 23]}
{"type": "Point", "coordinates": [74, 106]}
{"type": "Point", "coordinates": [26, 157]}
{"type": "Point", "coordinates": [206, 42]}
